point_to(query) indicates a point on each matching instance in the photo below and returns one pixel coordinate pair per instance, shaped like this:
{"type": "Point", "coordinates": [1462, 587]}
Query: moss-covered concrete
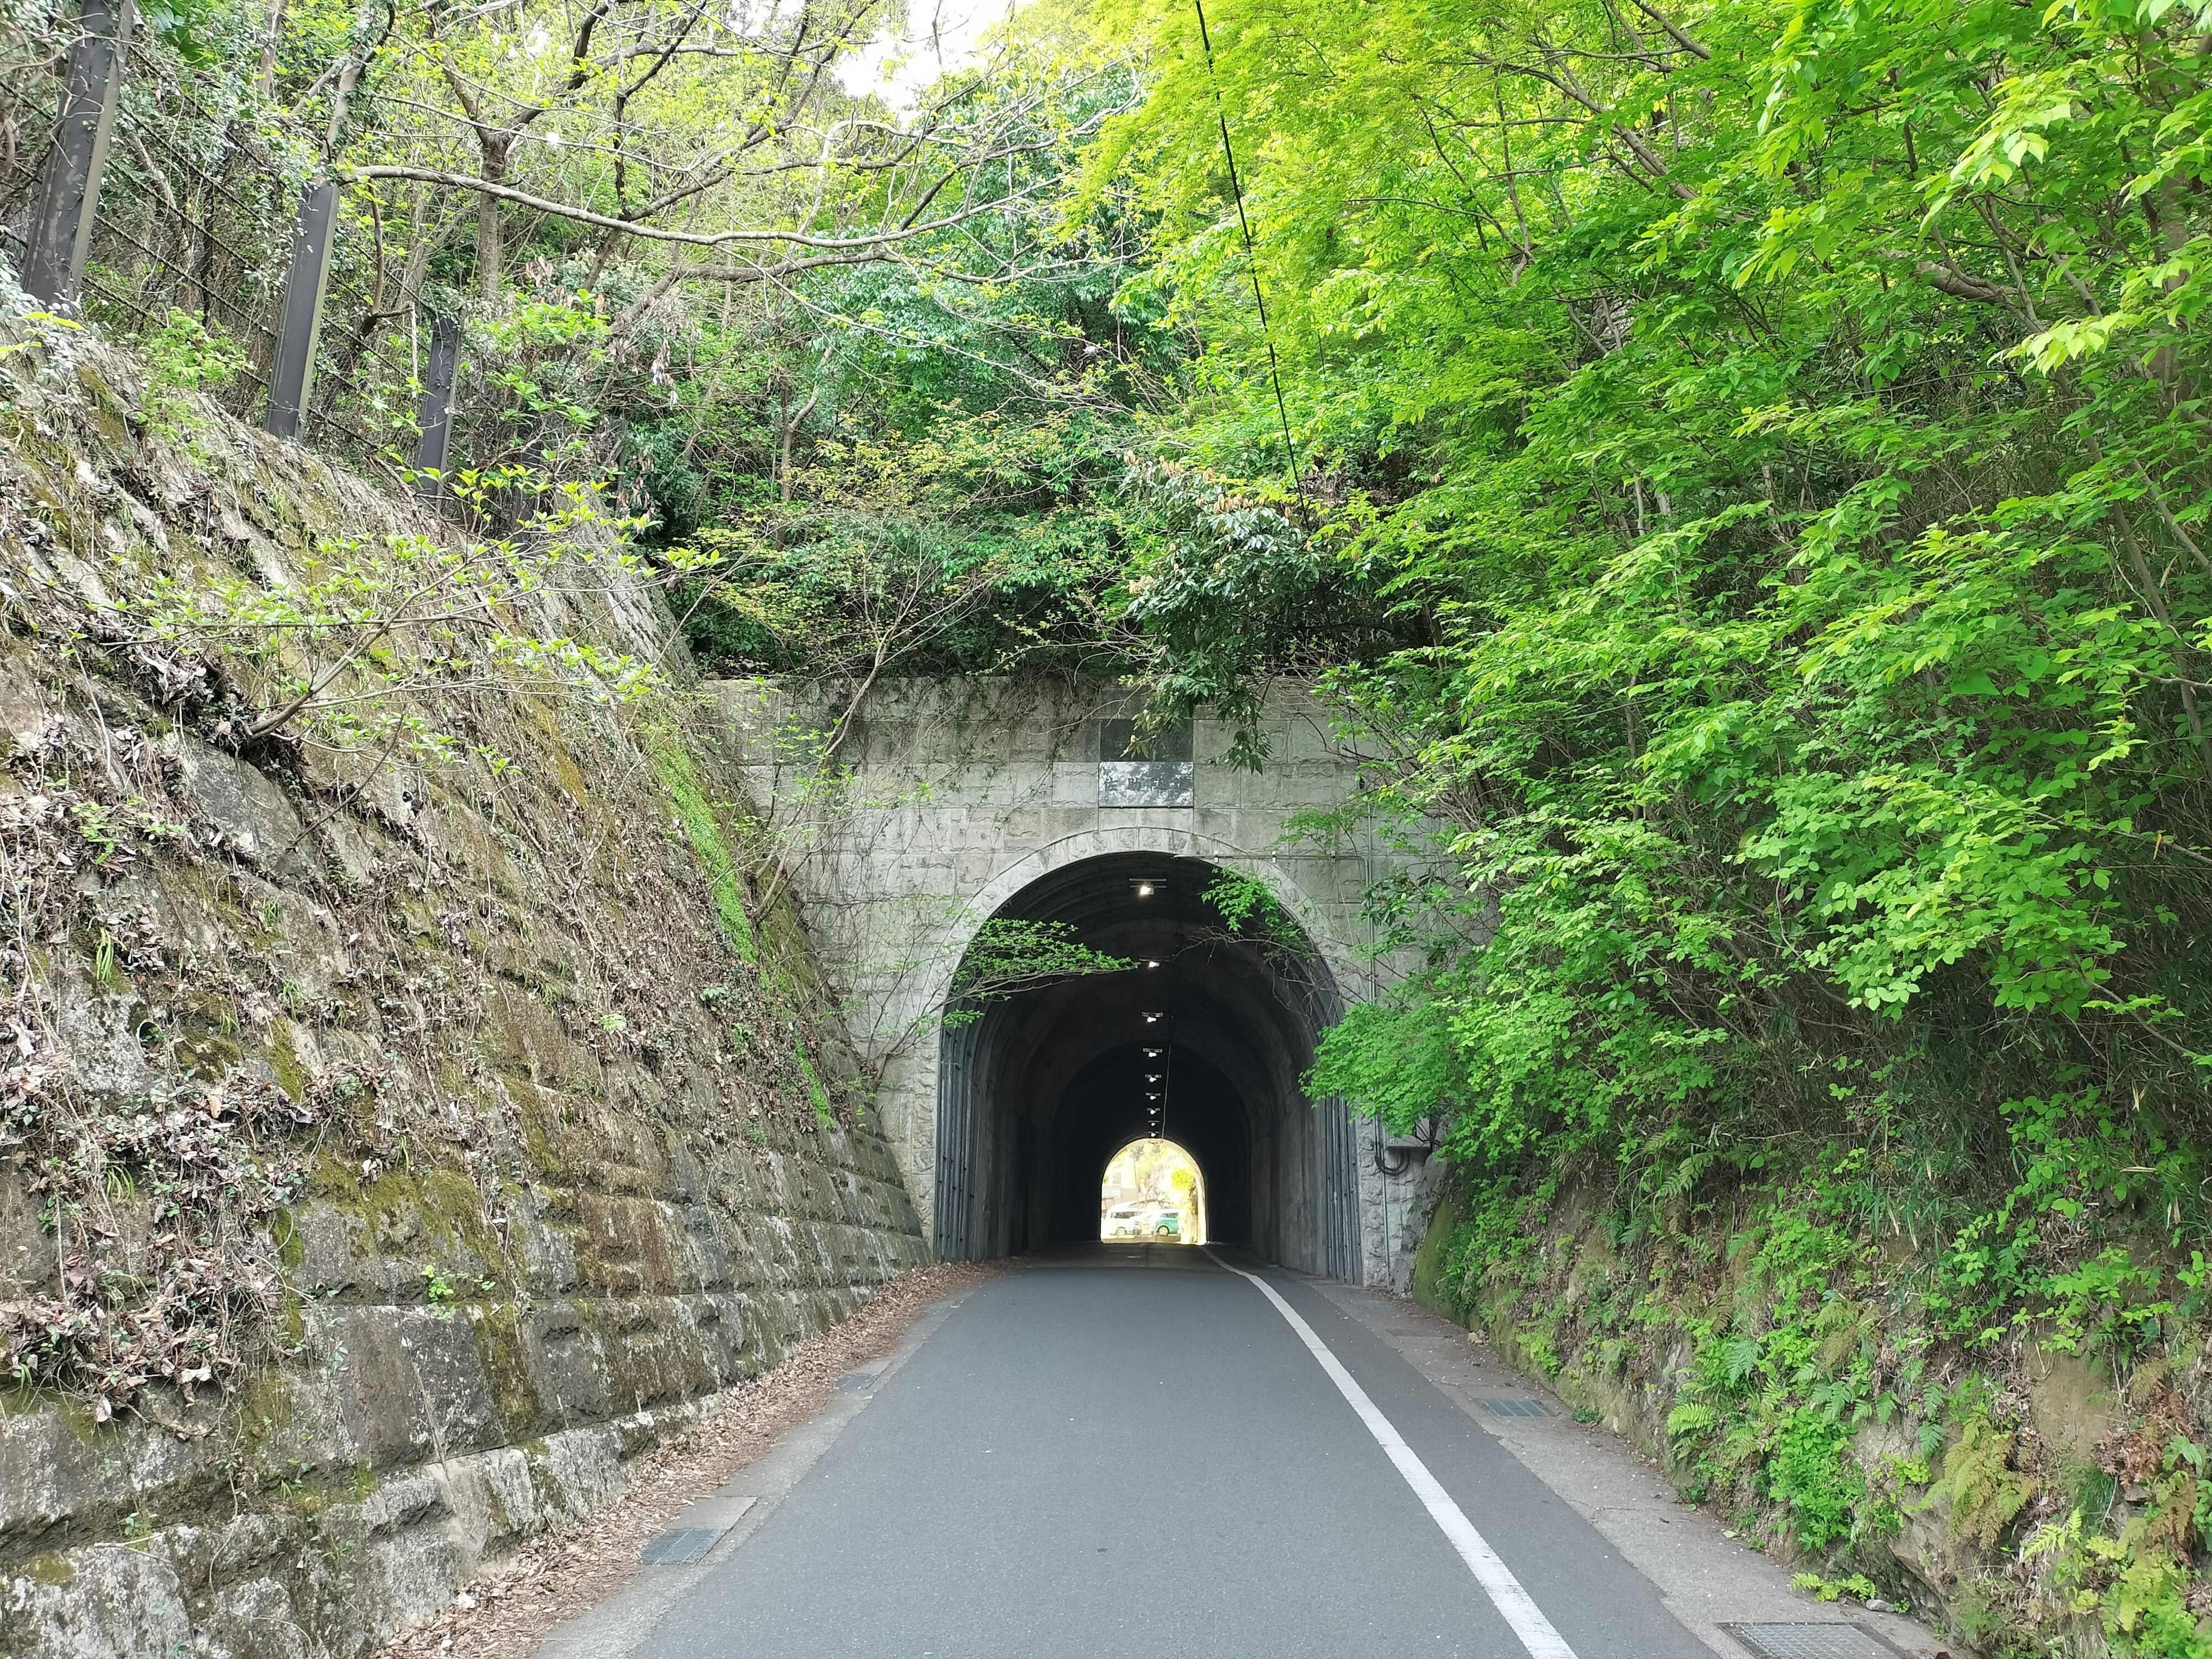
{"type": "Point", "coordinates": [538, 1196]}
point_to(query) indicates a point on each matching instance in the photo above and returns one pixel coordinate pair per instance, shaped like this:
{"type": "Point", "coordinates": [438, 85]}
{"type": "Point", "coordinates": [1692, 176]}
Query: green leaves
{"type": "Point", "coordinates": [1008, 956]}
{"type": "Point", "coordinates": [1764, 500]}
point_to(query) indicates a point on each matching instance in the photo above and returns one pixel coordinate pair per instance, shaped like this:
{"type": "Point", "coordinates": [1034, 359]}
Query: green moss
{"type": "Point", "coordinates": [335, 1179]}
{"type": "Point", "coordinates": [452, 1212]}
{"type": "Point", "coordinates": [266, 1405]}
{"type": "Point", "coordinates": [538, 1122]}
{"type": "Point", "coordinates": [1429, 1260]}
{"type": "Point", "coordinates": [677, 777]}
{"type": "Point", "coordinates": [284, 1061]}
{"type": "Point", "coordinates": [496, 1328]}
{"type": "Point", "coordinates": [208, 1056]}
{"type": "Point", "coordinates": [570, 774]}
{"type": "Point", "coordinates": [52, 1567]}
{"type": "Point", "coordinates": [291, 1248]}
{"type": "Point", "coordinates": [80, 1421]}
{"type": "Point", "coordinates": [815, 1092]}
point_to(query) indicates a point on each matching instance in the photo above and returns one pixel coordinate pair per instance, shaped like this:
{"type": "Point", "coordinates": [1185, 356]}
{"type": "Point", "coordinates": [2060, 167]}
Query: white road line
{"type": "Point", "coordinates": [1515, 1603]}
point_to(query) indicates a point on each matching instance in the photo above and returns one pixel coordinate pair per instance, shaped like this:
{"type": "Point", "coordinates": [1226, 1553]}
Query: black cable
{"type": "Point", "coordinates": [1167, 1080]}
{"type": "Point", "coordinates": [1251, 258]}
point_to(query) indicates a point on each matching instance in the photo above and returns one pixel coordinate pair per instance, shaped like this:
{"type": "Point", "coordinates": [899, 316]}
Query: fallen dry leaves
{"type": "Point", "coordinates": [505, 1612]}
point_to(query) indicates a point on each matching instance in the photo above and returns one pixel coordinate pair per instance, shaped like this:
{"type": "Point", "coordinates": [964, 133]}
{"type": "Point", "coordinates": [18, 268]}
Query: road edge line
{"type": "Point", "coordinates": [1506, 1593]}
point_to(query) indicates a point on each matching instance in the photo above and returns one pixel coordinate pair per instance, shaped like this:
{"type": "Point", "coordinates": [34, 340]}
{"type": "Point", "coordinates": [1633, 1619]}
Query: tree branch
{"type": "Point", "coordinates": [719, 238]}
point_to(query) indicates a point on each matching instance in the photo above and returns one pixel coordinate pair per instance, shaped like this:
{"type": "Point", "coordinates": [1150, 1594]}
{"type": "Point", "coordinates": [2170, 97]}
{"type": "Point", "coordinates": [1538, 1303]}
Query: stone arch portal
{"type": "Point", "coordinates": [960, 800]}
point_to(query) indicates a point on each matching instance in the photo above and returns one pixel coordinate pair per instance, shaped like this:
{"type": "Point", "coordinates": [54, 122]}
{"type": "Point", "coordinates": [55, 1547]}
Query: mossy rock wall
{"type": "Point", "coordinates": [561, 1143]}
{"type": "Point", "coordinates": [1972, 1474]}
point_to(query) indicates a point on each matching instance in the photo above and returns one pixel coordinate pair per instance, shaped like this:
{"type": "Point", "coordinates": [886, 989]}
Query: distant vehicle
{"type": "Point", "coordinates": [1128, 1222]}
{"type": "Point", "coordinates": [1169, 1225]}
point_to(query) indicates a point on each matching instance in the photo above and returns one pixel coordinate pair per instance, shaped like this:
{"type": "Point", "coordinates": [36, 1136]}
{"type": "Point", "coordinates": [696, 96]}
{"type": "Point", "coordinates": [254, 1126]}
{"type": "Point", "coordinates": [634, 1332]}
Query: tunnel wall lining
{"type": "Point", "coordinates": [1244, 1012]}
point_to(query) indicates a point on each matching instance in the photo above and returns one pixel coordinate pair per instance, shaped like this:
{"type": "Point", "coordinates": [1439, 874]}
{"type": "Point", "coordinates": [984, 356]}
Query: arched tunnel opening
{"type": "Point", "coordinates": [1037, 1090]}
{"type": "Point", "coordinates": [1153, 1189]}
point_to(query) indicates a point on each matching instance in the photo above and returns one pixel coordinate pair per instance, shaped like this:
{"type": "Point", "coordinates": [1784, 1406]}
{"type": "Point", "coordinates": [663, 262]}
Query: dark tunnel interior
{"type": "Point", "coordinates": [1041, 1088]}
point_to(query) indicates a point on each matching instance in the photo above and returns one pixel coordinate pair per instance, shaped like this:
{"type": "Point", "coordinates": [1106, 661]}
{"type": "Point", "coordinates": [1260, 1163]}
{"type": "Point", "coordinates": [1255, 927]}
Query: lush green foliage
{"type": "Point", "coordinates": [1010, 955]}
{"type": "Point", "coordinates": [1752, 462]}
{"type": "Point", "coordinates": [1777, 431]}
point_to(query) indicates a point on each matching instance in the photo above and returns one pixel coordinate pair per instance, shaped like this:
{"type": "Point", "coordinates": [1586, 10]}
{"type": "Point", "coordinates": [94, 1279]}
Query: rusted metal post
{"type": "Point", "coordinates": [301, 324]}
{"type": "Point", "coordinates": [435, 417]}
{"type": "Point", "coordinates": [61, 236]}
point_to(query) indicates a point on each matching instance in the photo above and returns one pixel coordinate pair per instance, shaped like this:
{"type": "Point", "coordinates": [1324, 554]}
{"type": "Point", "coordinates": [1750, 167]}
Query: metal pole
{"type": "Point", "coordinates": [301, 324]}
{"type": "Point", "coordinates": [61, 236]}
{"type": "Point", "coordinates": [435, 417]}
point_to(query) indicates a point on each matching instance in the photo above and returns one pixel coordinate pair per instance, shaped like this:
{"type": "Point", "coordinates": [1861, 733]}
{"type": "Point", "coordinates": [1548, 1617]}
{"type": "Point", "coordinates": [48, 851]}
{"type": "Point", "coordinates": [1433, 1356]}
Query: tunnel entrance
{"type": "Point", "coordinates": [1153, 1189]}
{"type": "Point", "coordinates": [1038, 1090]}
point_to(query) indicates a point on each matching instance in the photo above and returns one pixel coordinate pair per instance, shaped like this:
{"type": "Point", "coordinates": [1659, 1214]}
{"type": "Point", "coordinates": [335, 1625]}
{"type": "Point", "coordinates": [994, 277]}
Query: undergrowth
{"type": "Point", "coordinates": [1867, 1408]}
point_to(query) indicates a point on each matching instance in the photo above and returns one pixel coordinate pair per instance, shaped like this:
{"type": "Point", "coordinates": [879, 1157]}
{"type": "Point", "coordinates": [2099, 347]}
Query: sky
{"type": "Point", "coordinates": [938, 35]}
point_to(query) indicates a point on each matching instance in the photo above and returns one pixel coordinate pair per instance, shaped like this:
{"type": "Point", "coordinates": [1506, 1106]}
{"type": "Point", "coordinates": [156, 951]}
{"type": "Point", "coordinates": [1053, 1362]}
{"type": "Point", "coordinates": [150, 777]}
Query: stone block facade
{"type": "Point", "coordinates": [950, 796]}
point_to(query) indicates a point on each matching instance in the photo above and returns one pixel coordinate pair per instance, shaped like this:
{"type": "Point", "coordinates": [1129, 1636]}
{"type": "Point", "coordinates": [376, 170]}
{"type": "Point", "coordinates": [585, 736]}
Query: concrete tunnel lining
{"type": "Point", "coordinates": [1041, 1089]}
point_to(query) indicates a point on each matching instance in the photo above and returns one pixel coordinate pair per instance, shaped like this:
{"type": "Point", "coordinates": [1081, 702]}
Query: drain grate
{"type": "Point", "coordinates": [679, 1547]}
{"type": "Point", "coordinates": [1812, 1641]}
{"type": "Point", "coordinates": [1514, 1407]}
{"type": "Point", "coordinates": [855, 1380]}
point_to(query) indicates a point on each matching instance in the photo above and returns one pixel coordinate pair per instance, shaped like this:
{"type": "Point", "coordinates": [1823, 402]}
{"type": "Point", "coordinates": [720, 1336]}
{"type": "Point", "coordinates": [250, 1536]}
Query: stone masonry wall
{"type": "Point", "coordinates": [528, 1137]}
{"type": "Point", "coordinates": [951, 795]}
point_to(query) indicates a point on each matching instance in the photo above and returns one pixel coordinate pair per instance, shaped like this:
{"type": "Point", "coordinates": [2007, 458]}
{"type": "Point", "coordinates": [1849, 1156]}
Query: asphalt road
{"type": "Point", "coordinates": [1134, 1453]}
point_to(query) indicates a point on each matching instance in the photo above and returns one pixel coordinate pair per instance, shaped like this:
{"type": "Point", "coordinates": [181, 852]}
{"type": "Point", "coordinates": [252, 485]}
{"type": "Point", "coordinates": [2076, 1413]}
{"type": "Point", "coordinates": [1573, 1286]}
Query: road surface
{"type": "Point", "coordinates": [1135, 1452]}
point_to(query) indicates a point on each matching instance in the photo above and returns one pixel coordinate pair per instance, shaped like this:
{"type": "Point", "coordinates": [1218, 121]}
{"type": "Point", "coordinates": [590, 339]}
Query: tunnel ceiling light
{"type": "Point", "coordinates": [1154, 1054]}
{"type": "Point", "coordinates": [1151, 1076]}
{"type": "Point", "coordinates": [1152, 962]}
{"type": "Point", "coordinates": [1143, 889]}
{"type": "Point", "coordinates": [1152, 1096]}
{"type": "Point", "coordinates": [1152, 1017]}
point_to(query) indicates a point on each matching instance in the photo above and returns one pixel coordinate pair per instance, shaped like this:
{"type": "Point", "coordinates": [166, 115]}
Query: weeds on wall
{"type": "Point", "coordinates": [251, 829]}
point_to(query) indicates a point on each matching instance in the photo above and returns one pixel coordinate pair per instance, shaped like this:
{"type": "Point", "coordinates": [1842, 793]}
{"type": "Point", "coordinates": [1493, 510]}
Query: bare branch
{"type": "Point", "coordinates": [718, 239]}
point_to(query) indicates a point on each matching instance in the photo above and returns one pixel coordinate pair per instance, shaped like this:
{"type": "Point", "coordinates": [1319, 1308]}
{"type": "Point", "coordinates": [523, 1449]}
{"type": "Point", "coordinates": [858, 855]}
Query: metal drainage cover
{"type": "Point", "coordinates": [680, 1547]}
{"type": "Point", "coordinates": [856, 1379]}
{"type": "Point", "coordinates": [1514, 1407]}
{"type": "Point", "coordinates": [1812, 1641]}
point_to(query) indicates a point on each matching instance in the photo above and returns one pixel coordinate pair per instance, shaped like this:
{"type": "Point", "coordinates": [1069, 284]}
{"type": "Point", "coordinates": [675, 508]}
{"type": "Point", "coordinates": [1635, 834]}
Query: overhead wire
{"type": "Point", "coordinates": [1251, 258]}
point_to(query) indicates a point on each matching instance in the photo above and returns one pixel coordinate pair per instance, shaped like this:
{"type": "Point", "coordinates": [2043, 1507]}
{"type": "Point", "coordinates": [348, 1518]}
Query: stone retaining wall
{"type": "Point", "coordinates": [570, 1156]}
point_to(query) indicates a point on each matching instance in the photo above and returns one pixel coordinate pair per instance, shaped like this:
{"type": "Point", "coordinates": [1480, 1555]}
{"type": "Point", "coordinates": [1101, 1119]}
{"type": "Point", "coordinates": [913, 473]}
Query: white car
{"type": "Point", "coordinates": [1129, 1221]}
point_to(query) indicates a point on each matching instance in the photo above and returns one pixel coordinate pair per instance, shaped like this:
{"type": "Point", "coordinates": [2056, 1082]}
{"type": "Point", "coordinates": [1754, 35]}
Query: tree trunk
{"type": "Point", "coordinates": [265, 81]}
{"type": "Point", "coordinates": [493, 171]}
